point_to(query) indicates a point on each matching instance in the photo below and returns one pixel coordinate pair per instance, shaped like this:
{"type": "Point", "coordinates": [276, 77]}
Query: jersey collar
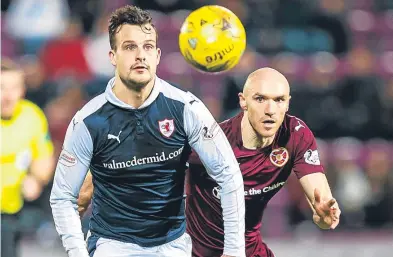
{"type": "Point", "coordinates": [112, 98]}
{"type": "Point", "coordinates": [239, 140]}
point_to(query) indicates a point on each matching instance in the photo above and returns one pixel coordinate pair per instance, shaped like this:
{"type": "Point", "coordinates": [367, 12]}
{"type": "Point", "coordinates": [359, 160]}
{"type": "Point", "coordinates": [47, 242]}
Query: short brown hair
{"type": "Point", "coordinates": [127, 15]}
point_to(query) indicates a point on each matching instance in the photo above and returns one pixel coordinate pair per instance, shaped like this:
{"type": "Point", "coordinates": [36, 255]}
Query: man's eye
{"type": "Point", "coordinates": [130, 47]}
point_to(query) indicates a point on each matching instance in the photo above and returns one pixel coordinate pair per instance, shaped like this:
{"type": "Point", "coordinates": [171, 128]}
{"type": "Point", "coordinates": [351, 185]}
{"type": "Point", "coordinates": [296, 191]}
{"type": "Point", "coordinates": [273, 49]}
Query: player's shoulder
{"type": "Point", "coordinates": [91, 108]}
{"type": "Point", "coordinates": [89, 121]}
{"type": "Point", "coordinates": [297, 128]}
{"type": "Point", "coordinates": [30, 107]}
{"type": "Point", "coordinates": [230, 124]}
{"type": "Point", "coordinates": [175, 93]}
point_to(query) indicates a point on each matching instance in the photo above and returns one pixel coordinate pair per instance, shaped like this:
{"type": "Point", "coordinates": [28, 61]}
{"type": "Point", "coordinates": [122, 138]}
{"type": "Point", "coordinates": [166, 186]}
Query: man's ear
{"type": "Point", "coordinates": [112, 57]}
{"type": "Point", "coordinates": [289, 101]}
{"type": "Point", "coordinates": [242, 101]}
{"type": "Point", "coordinates": [158, 55]}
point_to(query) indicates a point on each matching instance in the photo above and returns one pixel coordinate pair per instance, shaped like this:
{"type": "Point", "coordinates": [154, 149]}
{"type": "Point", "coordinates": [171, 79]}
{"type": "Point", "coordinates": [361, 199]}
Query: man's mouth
{"type": "Point", "coordinates": [139, 67]}
{"type": "Point", "coordinates": [269, 121]}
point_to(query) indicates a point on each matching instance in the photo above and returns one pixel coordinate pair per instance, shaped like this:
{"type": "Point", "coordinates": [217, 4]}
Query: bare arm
{"type": "Point", "coordinates": [311, 175]}
{"type": "Point", "coordinates": [312, 181]}
{"type": "Point", "coordinates": [85, 194]}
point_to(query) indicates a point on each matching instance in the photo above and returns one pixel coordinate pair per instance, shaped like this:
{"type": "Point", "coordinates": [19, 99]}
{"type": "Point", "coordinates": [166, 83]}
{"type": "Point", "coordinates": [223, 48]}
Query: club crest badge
{"type": "Point", "coordinates": [279, 157]}
{"type": "Point", "coordinates": [167, 127]}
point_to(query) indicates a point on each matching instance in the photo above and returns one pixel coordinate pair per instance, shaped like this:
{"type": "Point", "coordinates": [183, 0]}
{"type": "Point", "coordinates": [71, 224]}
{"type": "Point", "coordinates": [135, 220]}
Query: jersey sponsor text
{"type": "Point", "coordinates": [144, 160]}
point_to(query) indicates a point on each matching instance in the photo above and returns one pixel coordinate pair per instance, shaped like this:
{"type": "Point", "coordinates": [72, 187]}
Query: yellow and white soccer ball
{"type": "Point", "coordinates": [212, 39]}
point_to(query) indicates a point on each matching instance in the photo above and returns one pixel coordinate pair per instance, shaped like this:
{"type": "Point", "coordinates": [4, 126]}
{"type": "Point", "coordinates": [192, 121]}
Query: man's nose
{"type": "Point", "coordinates": [141, 55]}
{"type": "Point", "coordinates": [270, 108]}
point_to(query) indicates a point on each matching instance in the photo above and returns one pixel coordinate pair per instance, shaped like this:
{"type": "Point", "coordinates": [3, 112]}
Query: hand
{"type": "Point", "coordinates": [31, 188]}
{"type": "Point", "coordinates": [82, 210]}
{"type": "Point", "coordinates": [83, 205]}
{"type": "Point", "coordinates": [327, 213]}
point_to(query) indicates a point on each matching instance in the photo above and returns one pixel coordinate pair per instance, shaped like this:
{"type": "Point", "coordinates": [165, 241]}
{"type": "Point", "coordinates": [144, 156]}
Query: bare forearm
{"type": "Point", "coordinates": [86, 191]}
{"type": "Point", "coordinates": [316, 180]}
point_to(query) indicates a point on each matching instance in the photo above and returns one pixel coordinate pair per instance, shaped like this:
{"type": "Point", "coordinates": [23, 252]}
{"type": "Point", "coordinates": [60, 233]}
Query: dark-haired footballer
{"type": "Point", "coordinates": [135, 138]}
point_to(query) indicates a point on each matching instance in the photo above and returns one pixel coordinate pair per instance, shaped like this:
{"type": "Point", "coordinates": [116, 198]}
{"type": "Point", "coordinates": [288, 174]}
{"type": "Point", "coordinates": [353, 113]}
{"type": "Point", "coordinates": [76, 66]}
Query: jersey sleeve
{"type": "Point", "coordinates": [306, 154]}
{"type": "Point", "coordinates": [42, 145]}
{"type": "Point", "coordinates": [71, 170]}
{"type": "Point", "coordinates": [210, 143]}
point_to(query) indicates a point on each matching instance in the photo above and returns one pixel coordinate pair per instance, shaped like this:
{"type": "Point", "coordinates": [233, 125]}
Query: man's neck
{"type": "Point", "coordinates": [251, 139]}
{"type": "Point", "coordinates": [134, 98]}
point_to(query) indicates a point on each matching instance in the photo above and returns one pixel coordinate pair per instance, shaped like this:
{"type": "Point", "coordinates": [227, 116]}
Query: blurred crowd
{"type": "Point", "coordinates": [337, 54]}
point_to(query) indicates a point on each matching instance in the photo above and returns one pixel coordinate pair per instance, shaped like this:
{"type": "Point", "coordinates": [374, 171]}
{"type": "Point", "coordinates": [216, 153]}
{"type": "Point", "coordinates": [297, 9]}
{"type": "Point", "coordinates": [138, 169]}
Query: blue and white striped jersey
{"type": "Point", "coordinates": [138, 159]}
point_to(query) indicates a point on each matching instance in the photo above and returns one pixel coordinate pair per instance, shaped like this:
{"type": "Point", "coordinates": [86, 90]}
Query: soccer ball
{"type": "Point", "coordinates": [212, 39]}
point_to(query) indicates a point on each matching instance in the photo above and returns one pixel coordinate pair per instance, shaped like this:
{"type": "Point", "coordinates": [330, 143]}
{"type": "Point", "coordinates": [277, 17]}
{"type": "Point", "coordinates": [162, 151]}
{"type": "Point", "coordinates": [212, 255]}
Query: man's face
{"type": "Point", "coordinates": [136, 56]}
{"type": "Point", "coordinates": [12, 90]}
{"type": "Point", "coordinates": [265, 103]}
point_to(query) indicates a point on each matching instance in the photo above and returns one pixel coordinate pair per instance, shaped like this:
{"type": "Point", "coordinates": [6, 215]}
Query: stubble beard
{"type": "Point", "coordinates": [134, 85]}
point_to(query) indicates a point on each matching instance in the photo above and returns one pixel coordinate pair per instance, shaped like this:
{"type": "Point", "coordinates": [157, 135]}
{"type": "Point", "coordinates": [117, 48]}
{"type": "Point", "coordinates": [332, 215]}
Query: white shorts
{"type": "Point", "coordinates": [180, 247]}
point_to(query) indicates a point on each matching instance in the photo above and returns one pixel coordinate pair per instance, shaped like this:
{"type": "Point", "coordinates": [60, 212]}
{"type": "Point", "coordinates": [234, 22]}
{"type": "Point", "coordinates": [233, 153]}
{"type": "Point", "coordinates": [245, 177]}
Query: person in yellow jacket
{"type": "Point", "coordinates": [27, 163]}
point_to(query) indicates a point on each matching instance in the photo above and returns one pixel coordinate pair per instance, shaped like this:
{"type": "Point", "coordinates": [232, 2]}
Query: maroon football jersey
{"type": "Point", "coordinates": [265, 172]}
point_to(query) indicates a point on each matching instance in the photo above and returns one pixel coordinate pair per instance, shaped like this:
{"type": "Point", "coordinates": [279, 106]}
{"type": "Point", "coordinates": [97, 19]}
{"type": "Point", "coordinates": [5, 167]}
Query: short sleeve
{"type": "Point", "coordinates": [306, 154]}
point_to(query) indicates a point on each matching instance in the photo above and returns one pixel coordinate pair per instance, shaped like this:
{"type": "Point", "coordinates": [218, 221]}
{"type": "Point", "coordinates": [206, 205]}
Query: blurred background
{"type": "Point", "coordinates": [337, 54]}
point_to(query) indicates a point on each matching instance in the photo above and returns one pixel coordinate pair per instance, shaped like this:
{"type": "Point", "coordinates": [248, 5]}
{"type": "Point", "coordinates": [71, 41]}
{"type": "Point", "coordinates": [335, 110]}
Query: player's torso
{"type": "Point", "coordinates": [16, 153]}
{"type": "Point", "coordinates": [264, 173]}
{"type": "Point", "coordinates": [134, 141]}
{"type": "Point", "coordinates": [138, 166]}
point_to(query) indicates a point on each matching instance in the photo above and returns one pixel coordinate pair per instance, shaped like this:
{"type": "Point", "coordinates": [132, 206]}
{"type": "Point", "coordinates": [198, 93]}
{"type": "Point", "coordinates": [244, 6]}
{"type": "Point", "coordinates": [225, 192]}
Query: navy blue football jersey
{"type": "Point", "coordinates": [138, 158]}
